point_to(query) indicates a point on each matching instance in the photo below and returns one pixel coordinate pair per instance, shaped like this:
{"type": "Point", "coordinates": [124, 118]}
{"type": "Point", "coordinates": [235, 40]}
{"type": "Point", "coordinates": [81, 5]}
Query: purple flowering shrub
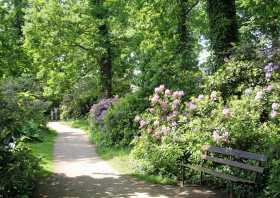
{"type": "Point", "coordinates": [98, 110]}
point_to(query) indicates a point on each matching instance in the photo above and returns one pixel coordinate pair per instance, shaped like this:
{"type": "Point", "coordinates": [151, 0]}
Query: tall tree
{"type": "Point", "coordinates": [186, 38]}
{"type": "Point", "coordinates": [223, 30]}
{"type": "Point", "coordinates": [69, 40]}
{"type": "Point", "coordinates": [101, 13]}
{"type": "Point", "coordinates": [164, 45]}
{"type": "Point", "coordinates": [13, 59]}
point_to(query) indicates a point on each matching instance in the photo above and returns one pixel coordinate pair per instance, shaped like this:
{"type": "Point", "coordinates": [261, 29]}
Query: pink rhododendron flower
{"type": "Point", "coordinates": [269, 88]}
{"type": "Point", "coordinates": [275, 106]}
{"type": "Point", "coordinates": [159, 89]}
{"type": "Point", "coordinates": [178, 94]}
{"type": "Point", "coordinates": [226, 112]}
{"type": "Point", "coordinates": [156, 123]}
{"type": "Point", "coordinates": [164, 105]}
{"type": "Point", "coordinates": [165, 130]}
{"type": "Point", "coordinates": [155, 99]}
{"type": "Point", "coordinates": [274, 114]}
{"type": "Point", "coordinates": [191, 106]}
{"type": "Point", "coordinates": [137, 118]}
{"type": "Point", "coordinates": [200, 97]}
{"type": "Point", "coordinates": [142, 124]}
{"type": "Point", "coordinates": [218, 137]}
{"type": "Point", "coordinates": [168, 92]}
{"type": "Point", "coordinates": [225, 136]}
{"type": "Point", "coordinates": [259, 95]}
{"type": "Point", "coordinates": [152, 110]}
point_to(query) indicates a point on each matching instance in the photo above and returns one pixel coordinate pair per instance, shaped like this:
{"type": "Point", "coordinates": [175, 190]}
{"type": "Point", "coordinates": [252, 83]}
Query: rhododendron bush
{"type": "Point", "coordinates": [174, 126]}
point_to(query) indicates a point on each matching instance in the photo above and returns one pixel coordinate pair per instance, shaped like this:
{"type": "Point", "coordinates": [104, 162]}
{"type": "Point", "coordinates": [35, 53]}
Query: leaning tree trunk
{"type": "Point", "coordinates": [223, 31]}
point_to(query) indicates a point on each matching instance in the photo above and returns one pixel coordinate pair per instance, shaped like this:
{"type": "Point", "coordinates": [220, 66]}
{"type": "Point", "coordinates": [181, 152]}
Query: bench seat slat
{"type": "Point", "coordinates": [234, 163]}
{"type": "Point", "coordinates": [220, 175]}
{"type": "Point", "coordinates": [235, 152]}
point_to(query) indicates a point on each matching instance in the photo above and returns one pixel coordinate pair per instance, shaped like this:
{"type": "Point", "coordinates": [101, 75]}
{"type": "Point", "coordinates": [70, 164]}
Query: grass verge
{"type": "Point", "coordinates": [118, 157]}
{"type": "Point", "coordinates": [44, 150]}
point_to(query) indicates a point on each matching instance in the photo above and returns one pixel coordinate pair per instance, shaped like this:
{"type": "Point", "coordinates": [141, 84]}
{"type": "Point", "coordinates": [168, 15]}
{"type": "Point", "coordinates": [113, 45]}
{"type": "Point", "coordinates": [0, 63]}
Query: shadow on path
{"type": "Point", "coordinates": [59, 185]}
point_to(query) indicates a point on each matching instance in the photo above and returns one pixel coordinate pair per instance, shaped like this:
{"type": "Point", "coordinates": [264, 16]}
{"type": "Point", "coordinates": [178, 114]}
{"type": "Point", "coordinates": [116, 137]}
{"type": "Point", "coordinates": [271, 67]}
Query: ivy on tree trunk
{"type": "Point", "coordinates": [100, 12]}
{"type": "Point", "coordinates": [186, 41]}
{"type": "Point", "coordinates": [223, 31]}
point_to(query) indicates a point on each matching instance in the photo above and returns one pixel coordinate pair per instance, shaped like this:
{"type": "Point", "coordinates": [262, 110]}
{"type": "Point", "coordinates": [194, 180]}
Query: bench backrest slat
{"type": "Point", "coordinates": [234, 163]}
{"type": "Point", "coordinates": [235, 153]}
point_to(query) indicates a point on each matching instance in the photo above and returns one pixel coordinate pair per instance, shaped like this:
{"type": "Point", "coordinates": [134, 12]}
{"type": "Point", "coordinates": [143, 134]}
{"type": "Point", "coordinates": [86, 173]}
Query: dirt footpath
{"type": "Point", "coordinates": [80, 173]}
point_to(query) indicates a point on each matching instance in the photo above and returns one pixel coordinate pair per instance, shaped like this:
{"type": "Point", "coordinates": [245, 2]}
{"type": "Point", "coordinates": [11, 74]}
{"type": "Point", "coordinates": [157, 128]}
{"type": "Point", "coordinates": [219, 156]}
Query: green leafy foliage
{"type": "Point", "coordinates": [77, 102]}
{"type": "Point", "coordinates": [19, 172]}
{"type": "Point", "coordinates": [22, 109]}
{"type": "Point", "coordinates": [119, 128]}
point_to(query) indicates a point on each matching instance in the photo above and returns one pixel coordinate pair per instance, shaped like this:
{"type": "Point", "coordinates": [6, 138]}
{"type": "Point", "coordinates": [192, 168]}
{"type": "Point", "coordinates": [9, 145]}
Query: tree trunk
{"type": "Point", "coordinates": [186, 48]}
{"type": "Point", "coordinates": [105, 63]}
{"type": "Point", "coordinates": [100, 12]}
{"type": "Point", "coordinates": [223, 31]}
{"type": "Point", "coordinates": [19, 17]}
{"type": "Point", "coordinates": [275, 35]}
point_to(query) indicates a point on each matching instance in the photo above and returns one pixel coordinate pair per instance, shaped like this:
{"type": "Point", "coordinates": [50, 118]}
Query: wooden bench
{"type": "Point", "coordinates": [231, 158]}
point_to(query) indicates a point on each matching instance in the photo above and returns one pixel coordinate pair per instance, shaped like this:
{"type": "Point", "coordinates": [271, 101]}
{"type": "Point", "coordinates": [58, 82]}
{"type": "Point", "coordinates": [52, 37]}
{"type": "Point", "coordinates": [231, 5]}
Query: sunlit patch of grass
{"type": "Point", "coordinates": [80, 123]}
{"type": "Point", "coordinates": [156, 179]}
{"type": "Point", "coordinates": [44, 150]}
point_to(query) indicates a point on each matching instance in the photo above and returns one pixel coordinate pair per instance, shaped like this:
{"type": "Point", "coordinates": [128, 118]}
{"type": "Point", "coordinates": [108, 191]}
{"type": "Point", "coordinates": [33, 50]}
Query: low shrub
{"type": "Point", "coordinates": [119, 128]}
{"type": "Point", "coordinates": [19, 172]}
{"type": "Point", "coordinates": [22, 108]}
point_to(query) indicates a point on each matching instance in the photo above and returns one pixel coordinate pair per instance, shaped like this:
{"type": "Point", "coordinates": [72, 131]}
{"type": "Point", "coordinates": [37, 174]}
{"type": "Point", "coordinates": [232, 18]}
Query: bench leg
{"type": "Point", "coordinates": [183, 176]}
{"type": "Point", "coordinates": [230, 190]}
{"type": "Point", "coordinates": [201, 178]}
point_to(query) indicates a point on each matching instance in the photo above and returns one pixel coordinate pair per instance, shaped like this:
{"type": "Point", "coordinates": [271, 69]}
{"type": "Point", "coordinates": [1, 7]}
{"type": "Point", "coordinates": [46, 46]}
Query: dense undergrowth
{"type": "Point", "coordinates": [25, 143]}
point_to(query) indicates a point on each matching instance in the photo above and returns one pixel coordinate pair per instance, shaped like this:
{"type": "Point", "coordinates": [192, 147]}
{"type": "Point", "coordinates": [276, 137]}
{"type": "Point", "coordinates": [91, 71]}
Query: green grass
{"type": "Point", "coordinates": [44, 150]}
{"type": "Point", "coordinates": [118, 157]}
{"type": "Point", "coordinates": [81, 123]}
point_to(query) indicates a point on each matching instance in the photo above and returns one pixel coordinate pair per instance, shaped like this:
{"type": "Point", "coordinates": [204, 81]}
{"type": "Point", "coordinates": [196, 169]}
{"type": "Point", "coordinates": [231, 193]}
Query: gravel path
{"type": "Point", "coordinates": [80, 173]}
